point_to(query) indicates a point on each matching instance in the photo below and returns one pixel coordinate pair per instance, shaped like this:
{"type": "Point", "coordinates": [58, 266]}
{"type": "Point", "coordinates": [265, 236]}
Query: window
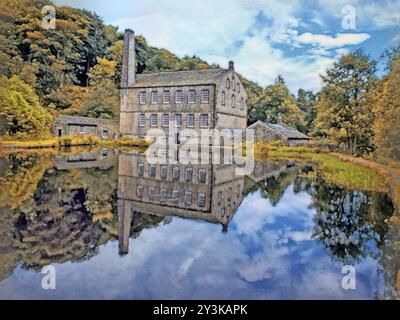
{"type": "Point", "coordinates": [104, 133]}
{"type": "Point", "coordinates": [178, 96]}
{"type": "Point", "coordinates": [154, 97]}
{"type": "Point", "coordinates": [175, 172]}
{"type": "Point", "coordinates": [152, 170]}
{"type": "Point", "coordinates": [189, 174]}
{"type": "Point", "coordinates": [204, 121]}
{"type": "Point", "coordinates": [175, 196]}
{"type": "Point", "coordinates": [163, 194]}
{"type": "Point", "coordinates": [201, 177]}
{"type": "Point", "coordinates": [223, 212]}
{"type": "Point", "coordinates": [139, 191]}
{"type": "Point", "coordinates": [153, 120]}
{"type": "Point", "coordinates": [228, 84]}
{"type": "Point", "coordinates": [165, 120]}
{"type": "Point", "coordinates": [81, 129]}
{"type": "Point", "coordinates": [205, 96]}
{"type": "Point", "coordinates": [164, 172]}
{"type": "Point", "coordinates": [188, 198]}
{"type": "Point", "coordinates": [142, 97]}
{"type": "Point", "coordinates": [178, 120]}
{"type": "Point", "coordinates": [140, 169]}
{"type": "Point", "coordinates": [142, 120]}
{"type": "Point", "coordinates": [233, 84]}
{"type": "Point", "coordinates": [233, 101]}
{"type": "Point", "coordinates": [192, 96]}
{"type": "Point", "coordinates": [201, 199]}
{"type": "Point", "coordinates": [219, 197]}
{"type": "Point", "coordinates": [241, 103]}
{"type": "Point", "coordinates": [167, 97]}
{"type": "Point", "coordinates": [229, 193]}
{"type": "Point", "coordinates": [152, 193]}
{"type": "Point", "coordinates": [190, 121]}
{"type": "Point", "coordinates": [238, 86]}
{"type": "Point", "coordinates": [223, 98]}
{"type": "Point", "coordinates": [238, 190]}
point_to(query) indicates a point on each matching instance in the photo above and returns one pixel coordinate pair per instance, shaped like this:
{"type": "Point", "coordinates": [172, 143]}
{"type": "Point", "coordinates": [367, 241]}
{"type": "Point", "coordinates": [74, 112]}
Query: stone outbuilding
{"type": "Point", "coordinates": [278, 131]}
{"type": "Point", "coordinates": [72, 125]}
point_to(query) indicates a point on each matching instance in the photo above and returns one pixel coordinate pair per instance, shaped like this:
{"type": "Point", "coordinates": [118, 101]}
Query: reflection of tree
{"type": "Point", "coordinates": [20, 179]}
{"type": "Point", "coordinates": [343, 222]}
{"type": "Point", "coordinates": [391, 259]}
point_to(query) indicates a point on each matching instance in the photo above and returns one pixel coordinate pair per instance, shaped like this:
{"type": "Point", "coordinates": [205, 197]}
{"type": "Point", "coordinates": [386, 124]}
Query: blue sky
{"type": "Point", "coordinates": [298, 39]}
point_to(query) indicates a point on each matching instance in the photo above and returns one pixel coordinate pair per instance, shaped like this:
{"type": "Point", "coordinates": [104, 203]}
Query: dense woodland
{"type": "Point", "coordinates": [75, 70]}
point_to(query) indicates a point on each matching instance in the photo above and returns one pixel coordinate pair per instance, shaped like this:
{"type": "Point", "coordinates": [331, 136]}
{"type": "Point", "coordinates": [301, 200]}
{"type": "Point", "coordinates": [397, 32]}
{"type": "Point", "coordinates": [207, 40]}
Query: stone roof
{"type": "Point", "coordinates": [282, 128]}
{"type": "Point", "coordinates": [176, 78]}
{"type": "Point", "coordinates": [85, 121]}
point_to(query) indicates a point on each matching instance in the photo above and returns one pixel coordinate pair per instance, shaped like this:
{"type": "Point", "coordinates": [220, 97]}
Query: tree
{"type": "Point", "coordinates": [103, 102]}
{"type": "Point", "coordinates": [277, 101]}
{"type": "Point", "coordinates": [20, 107]}
{"type": "Point", "coordinates": [343, 113]}
{"type": "Point", "coordinates": [306, 101]}
{"type": "Point", "coordinates": [387, 106]}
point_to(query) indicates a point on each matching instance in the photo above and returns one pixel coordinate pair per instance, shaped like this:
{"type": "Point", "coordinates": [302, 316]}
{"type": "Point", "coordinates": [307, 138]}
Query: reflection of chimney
{"type": "Point", "coordinates": [231, 65]}
{"type": "Point", "coordinates": [224, 227]}
{"type": "Point", "coordinates": [128, 61]}
{"type": "Point", "coordinates": [124, 225]}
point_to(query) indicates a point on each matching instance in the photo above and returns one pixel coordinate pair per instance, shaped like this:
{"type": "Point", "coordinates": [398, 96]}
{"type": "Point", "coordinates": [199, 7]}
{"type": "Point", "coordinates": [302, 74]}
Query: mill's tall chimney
{"type": "Point", "coordinates": [128, 61]}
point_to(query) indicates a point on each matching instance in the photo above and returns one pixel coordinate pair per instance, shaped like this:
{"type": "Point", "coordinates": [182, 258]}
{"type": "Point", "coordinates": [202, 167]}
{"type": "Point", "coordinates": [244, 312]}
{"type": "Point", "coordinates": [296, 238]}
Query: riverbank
{"type": "Point", "coordinates": [341, 169]}
{"type": "Point", "coordinates": [69, 141]}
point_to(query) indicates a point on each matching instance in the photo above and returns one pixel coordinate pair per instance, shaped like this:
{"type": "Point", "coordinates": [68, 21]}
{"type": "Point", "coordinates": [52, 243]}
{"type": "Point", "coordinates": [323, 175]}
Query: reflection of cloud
{"type": "Point", "coordinates": [266, 254]}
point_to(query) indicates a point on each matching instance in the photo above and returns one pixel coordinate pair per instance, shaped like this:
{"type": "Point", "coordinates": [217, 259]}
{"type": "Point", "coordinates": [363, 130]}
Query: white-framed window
{"type": "Point", "coordinates": [164, 171]}
{"type": "Point", "coordinates": [223, 98]}
{"type": "Point", "coordinates": [175, 196]}
{"type": "Point", "coordinates": [178, 96]}
{"type": "Point", "coordinates": [142, 97]}
{"type": "Point", "coordinates": [165, 120]}
{"type": "Point", "coordinates": [238, 87]}
{"type": "Point", "coordinates": [167, 97]}
{"type": "Point", "coordinates": [233, 101]}
{"type": "Point", "coordinates": [190, 121]}
{"type": "Point", "coordinates": [204, 121]}
{"type": "Point", "coordinates": [142, 120]}
{"type": "Point", "coordinates": [178, 120]}
{"type": "Point", "coordinates": [152, 193]}
{"type": "Point", "coordinates": [241, 103]}
{"type": "Point", "coordinates": [140, 169]}
{"type": "Point", "coordinates": [189, 174]}
{"type": "Point", "coordinates": [219, 197]}
{"type": "Point", "coordinates": [140, 191]}
{"type": "Point", "coordinates": [205, 96]}
{"type": "Point", "coordinates": [192, 96]}
{"type": "Point", "coordinates": [201, 199]}
{"type": "Point", "coordinates": [228, 83]}
{"type": "Point", "coordinates": [176, 172]}
{"type": "Point", "coordinates": [81, 129]}
{"type": "Point", "coordinates": [153, 120]}
{"type": "Point", "coordinates": [188, 198]}
{"type": "Point", "coordinates": [154, 97]}
{"type": "Point", "coordinates": [202, 175]}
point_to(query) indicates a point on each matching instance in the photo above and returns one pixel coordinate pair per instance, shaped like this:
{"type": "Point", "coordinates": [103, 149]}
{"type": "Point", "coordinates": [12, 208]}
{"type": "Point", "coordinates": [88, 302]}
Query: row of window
{"type": "Point", "coordinates": [172, 197]}
{"type": "Point", "coordinates": [177, 118]}
{"type": "Point", "coordinates": [233, 101]}
{"type": "Point", "coordinates": [166, 97]}
{"type": "Point", "coordinates": [229, 195]}
{"type": "Point", "coordinates": [230, 83]}
{"type": "Point", "coordinates": [176, 172]}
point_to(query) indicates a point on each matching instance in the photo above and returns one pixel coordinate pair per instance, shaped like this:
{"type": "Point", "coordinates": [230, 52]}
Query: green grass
{"type": "Point", "coordinates": [333, 170]}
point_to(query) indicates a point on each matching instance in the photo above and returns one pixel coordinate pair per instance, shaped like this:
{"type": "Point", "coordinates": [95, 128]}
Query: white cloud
{"type": "Point", "coordinates": [329, 42]}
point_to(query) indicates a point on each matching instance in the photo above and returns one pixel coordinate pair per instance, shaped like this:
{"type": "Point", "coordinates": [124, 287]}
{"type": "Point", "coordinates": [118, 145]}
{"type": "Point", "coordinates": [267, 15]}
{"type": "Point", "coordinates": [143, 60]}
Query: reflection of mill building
{"type": "Point", "coordinates": [206, 192]}
{"type": "Point", "coordinates": [194, 99]}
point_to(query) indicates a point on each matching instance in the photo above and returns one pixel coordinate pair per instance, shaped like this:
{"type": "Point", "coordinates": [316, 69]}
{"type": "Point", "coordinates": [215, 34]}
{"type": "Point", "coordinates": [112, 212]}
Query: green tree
{"type": "Point", "coordinates": [306, 101]}
{"type": "Point", "coordinates": [276, 101]}
{"type": "Point", "coordinates": [20, 107]}
{"type": "Point", "coordinates": [343, 113]}
{"type": "Point", "coordinates": [387, 106]}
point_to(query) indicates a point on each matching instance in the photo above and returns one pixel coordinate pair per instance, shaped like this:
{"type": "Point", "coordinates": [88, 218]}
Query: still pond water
{"type": "Point", "coordinates": [114, 227]}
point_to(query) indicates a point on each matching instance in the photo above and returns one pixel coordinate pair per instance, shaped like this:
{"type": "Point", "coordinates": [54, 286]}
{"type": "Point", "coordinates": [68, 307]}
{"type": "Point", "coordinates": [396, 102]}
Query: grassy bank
{"type": "Point", "coordinates": [7, 143]}
{"type": "Point", "coordinates": [342, 172]}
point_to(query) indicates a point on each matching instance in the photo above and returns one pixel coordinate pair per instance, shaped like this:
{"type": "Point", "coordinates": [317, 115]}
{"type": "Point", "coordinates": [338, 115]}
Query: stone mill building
{"type": "Point", "coordinates": [195, 99]}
